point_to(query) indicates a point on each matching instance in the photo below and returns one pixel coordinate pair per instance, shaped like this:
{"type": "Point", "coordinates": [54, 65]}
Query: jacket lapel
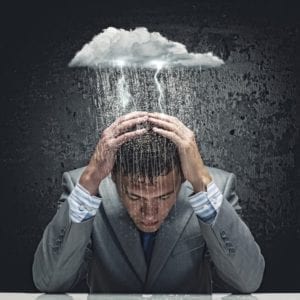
{"type": "Point", "coordinates": [123, 226]}
{"type": "Point", "coordinates": [169, 233]}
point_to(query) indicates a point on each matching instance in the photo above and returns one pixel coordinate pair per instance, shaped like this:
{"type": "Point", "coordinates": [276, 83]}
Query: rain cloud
{"type": "Point", "coordinates": [138, 47]}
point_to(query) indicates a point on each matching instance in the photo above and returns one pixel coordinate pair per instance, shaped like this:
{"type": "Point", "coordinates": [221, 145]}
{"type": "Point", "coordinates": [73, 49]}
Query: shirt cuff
{"type": "Point", "coordinates": [82, 205]}
{"type": "Point", "coordinates": [207, 204]}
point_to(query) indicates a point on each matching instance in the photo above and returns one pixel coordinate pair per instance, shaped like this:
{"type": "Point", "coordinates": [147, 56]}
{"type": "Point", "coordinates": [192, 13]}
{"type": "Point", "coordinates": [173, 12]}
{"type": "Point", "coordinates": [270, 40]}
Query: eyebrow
{"type": "Point", "coordinates": [166, 194]}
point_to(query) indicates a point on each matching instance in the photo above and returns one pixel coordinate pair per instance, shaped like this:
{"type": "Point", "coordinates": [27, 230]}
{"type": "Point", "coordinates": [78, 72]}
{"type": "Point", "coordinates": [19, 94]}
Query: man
{"type": "Point", "coordinates": [147, 216]}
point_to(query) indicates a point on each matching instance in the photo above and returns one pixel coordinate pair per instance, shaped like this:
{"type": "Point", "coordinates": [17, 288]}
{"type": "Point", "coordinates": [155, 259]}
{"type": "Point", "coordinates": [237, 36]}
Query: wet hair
{"type": "Point", "coordinates": [146, 157]}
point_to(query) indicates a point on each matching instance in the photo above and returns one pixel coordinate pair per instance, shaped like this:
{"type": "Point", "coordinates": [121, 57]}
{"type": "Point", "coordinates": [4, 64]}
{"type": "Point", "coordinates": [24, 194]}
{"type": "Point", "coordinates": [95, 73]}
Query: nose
{"type": "Point", "coordinates": [149, 210]}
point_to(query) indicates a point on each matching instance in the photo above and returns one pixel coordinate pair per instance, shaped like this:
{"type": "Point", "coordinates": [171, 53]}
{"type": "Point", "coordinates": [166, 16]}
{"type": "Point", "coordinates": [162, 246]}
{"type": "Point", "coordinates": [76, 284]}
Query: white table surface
{"type": "Point", "coordinates": [37, 296]}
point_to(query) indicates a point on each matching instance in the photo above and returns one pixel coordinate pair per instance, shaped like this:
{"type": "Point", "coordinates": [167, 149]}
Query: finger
{"type": "Point", "coordinates": [132, 115]}
{"type": "Point", "coordinates": [128, 136]}
{"type": "Point", "coordinates": [123, 127]}
{"type": "Point", "coordinates": [164, 117]}
{"type": "Point", "coordinates": [168, 134]}
{"type": "Point", "coordinates": [169, 126]}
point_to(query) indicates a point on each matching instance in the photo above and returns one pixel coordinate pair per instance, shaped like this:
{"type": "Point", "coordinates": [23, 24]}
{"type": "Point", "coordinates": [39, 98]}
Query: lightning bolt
{"type": "Point", "coordinates": [161, 98]}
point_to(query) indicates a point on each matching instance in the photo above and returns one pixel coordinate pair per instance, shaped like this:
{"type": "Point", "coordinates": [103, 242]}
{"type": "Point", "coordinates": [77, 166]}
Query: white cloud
{"type": "Point", "coordinates": [138, 47]}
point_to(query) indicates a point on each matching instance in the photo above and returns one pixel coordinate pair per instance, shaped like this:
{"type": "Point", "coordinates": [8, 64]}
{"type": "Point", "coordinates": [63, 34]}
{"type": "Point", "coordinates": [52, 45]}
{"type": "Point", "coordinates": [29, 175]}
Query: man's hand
{"type": "Point", "coordinates": [104, 156]}
{"type": "Point", "coordinates": [192, 164]}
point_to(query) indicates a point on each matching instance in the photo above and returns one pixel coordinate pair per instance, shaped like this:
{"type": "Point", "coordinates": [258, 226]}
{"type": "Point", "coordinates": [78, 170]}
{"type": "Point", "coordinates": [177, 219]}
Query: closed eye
{"type": "Point", "coordinates": [133, 198]}
{"type": "Point", "coordinates": [164, 197]}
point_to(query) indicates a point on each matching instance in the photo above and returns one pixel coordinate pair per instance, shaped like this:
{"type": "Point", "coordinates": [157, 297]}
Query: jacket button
{"type": "Point", "coordinates": [228, 245]}
{"type": "Point", "coordinates": [58, 241]}
{"type": "Point", "coordinates": [55, 248]}
{"type": "Point", "coordinates": [231, 250]}
{"type": "Point", "coordinates": [223, 234]}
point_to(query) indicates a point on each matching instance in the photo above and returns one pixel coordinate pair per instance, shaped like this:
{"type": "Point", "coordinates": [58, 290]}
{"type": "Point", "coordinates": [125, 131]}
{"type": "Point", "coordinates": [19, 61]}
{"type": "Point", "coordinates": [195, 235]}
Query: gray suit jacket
{"type": "Point", "coordinates": [108, 249]}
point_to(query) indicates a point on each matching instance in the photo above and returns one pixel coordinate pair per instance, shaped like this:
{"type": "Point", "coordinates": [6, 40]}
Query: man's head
{"type": "Point", "coordinates": [148, 176]}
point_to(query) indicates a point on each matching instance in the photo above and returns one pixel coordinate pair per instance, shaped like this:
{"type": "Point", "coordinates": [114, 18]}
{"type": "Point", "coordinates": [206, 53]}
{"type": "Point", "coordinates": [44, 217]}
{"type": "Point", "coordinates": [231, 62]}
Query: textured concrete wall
{"type": "Point", "coordinates": [247, 116]}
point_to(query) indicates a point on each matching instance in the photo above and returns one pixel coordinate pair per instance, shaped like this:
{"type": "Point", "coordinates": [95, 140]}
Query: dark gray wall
{"type": "Point", "coordinates": [248, 110]}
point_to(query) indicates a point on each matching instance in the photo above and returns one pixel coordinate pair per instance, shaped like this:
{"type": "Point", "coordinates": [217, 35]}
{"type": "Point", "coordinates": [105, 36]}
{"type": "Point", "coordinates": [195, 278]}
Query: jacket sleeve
{"type": "Point", "coordinates": [235, 255]}
{"type": "Point", "coordinates": [62, 256]}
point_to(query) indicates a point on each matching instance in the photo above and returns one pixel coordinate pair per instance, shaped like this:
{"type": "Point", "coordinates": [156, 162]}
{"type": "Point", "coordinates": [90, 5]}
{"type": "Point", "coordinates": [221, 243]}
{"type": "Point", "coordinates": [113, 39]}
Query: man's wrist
{"type": "Point", "coordinates": [82, 206]}
{"type": "Point", "coordinates": [206, 205]}
{"type": "Point", "coordinates": [202, 181]}
{"type": "Point", "coordinates": [91, 178]}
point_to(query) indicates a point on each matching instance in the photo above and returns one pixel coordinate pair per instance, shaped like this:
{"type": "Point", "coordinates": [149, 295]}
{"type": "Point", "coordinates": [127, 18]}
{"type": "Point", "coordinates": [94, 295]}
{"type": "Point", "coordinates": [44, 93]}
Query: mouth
{"type": "Point", "coordinates": [149, 224]}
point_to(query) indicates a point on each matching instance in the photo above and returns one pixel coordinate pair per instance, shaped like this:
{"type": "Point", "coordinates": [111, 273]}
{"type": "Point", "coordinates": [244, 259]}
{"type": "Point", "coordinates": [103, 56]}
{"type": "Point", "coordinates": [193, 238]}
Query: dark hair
{"type": "Point", "coordinates": [147, 156]}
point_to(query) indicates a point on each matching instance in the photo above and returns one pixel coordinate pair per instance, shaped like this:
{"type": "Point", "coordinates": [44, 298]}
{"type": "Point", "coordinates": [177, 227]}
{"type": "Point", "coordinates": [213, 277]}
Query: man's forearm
{"type": "Point", "coordinates": [59, 259]}
{"type": "Point", "coordinates": [234, 251]}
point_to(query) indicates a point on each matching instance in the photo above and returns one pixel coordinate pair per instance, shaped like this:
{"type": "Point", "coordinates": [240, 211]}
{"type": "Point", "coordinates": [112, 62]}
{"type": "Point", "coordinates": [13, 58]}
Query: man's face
{"type": "Point", "coordinates": [149, 204]}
